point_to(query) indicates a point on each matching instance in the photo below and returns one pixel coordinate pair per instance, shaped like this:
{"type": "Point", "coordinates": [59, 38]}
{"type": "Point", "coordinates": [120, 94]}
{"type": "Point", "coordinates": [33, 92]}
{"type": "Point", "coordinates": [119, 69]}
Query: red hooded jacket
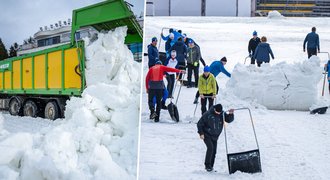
{"type": "Point", "coordinates": [154, 78]}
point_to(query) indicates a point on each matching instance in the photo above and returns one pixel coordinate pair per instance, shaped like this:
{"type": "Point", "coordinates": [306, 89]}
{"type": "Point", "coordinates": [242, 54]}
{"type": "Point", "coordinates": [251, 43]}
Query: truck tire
{"type": "Point", "coordinates": [15, 106]}
{"type": "Point", "coordinates": [30, 109]}
{"type": "Point", "coordinates": [52, 111]}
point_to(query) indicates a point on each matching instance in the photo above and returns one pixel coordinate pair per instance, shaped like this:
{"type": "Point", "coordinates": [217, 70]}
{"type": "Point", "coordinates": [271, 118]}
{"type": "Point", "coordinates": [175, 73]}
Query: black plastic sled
{"type": "Point", "coordinates": [321, 110]}
{"type": "Point", "coordinates": [174, 113]}
{"type": "Point", "coordinates": [247, 161]}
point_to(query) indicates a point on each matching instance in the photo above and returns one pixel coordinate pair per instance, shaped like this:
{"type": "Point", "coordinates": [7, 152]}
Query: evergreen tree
{"type": "Point", "coordinates": [12, 52]}
{"type": "Point", "coordinates": [3, 51]}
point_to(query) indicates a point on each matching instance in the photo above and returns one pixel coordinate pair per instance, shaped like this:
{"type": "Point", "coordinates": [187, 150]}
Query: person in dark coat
{"type": "Point", "coordinates": [193, 58]}
{"type": "Point", "coordinates": [262, 52]}
{"type": "Point", "coordinates": [209, 127]}
{"type": "Point", "coordinates": [313, 43]}
{"type": "Point", "coordinates": [253, 43]}
{"type": "Point", "coordinates": [153, 54]}
{"type": "Point", "coordinates": [181, 54]}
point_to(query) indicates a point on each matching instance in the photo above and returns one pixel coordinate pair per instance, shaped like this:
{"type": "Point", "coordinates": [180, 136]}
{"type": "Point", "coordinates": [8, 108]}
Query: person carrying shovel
{"type": "Point", "coordinates": [209, 127]}
{"type": "Point", "coordinates": [155, 86]}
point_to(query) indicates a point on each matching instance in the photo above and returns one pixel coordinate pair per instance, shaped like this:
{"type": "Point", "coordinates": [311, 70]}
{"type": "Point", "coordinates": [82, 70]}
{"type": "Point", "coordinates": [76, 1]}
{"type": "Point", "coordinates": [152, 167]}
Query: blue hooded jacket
{"type": "Point", "coordinates": [262, 52]}
{"type": "Point", "coordinates": [177, 35]}
{"type": "Point", "coordinates": [153, 55]}
{"type": "Point", "coordinates": [217, 67]}
{"type": "Point", "coordinates": [312, 40]}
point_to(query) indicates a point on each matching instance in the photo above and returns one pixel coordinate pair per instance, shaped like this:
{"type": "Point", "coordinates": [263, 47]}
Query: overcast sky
{"type": "Point", "coordinates": [20, 19]}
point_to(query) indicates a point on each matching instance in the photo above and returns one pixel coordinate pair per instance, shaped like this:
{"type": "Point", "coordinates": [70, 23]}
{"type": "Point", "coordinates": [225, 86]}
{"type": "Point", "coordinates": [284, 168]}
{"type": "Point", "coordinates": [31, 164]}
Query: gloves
{"type": "Point", "coordinates": [250, 55]}
{"type": "Point", "coordinates": [195, 64]}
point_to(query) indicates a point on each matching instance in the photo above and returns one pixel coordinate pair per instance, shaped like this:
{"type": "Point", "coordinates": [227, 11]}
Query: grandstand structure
{"type": "Point", "coordinates": [294, 8]}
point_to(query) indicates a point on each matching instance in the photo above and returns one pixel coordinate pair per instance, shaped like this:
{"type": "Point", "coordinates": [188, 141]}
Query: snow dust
{"type": "Point", "coordinates": [99, 137]}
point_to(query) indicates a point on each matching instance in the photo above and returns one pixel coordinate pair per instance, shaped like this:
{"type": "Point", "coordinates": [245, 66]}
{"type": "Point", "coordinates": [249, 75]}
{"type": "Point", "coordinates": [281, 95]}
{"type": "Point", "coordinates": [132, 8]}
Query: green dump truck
{"type": "Point", "coordinates": [40, 83]}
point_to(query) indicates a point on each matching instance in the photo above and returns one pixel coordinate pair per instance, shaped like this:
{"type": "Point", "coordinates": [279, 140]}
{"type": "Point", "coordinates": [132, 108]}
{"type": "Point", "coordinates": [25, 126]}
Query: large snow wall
{"type": "Point", "coordinates": [279, 87]}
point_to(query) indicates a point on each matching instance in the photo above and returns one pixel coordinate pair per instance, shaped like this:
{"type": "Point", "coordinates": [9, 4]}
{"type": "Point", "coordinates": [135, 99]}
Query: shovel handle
{"type": "Point", "coordinates": [224, 125]}
{"type": "Point", "coordinates": [160, 39]}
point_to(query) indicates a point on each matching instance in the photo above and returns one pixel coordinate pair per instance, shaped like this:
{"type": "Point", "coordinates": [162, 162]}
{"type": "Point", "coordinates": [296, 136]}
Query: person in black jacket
{"type": "Point", "coordinates": [181, 54]}
{"type": "Point", "coordinates": [210, 127]}
{"type": "Point", "coordinates": [253, 43]}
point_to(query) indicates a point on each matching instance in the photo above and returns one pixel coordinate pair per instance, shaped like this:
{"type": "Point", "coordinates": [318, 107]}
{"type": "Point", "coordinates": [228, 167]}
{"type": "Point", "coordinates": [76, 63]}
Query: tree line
{"type": "Point", "coordinates": [4, 53]}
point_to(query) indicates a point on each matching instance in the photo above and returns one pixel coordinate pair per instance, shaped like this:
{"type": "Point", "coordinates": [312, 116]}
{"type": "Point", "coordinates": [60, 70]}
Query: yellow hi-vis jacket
{"type": "Point", "coordinates": [208, 85]}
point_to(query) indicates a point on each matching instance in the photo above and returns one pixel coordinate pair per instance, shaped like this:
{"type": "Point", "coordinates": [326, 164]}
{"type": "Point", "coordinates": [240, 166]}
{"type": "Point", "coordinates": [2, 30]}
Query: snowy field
{"type": "Point", "coordinates": [293, 144]}
{"type": "Point", "coordinates": [98, 139]}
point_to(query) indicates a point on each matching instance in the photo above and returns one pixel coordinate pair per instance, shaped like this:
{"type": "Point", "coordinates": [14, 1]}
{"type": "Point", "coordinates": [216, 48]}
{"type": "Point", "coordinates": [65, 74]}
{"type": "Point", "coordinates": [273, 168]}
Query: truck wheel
{"type": "Point", "coordinates": [15, 107]}
{"type": "Point", "coordinates": [52, 111]}
{"type": "Point", "coordinates": [30, 109]}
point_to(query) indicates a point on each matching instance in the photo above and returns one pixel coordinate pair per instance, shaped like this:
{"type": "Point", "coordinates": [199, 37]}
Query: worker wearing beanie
{"type": "Point", "coordinates": [209, 127]}
{"type": "Point", "coordinates": [216, 68]}
{"type": "Point", "coordinates": [253, 43]}
{"type": "Point", "coordinates": [207, 88]}
{"type": "Point", "coordinates": [153, 54]}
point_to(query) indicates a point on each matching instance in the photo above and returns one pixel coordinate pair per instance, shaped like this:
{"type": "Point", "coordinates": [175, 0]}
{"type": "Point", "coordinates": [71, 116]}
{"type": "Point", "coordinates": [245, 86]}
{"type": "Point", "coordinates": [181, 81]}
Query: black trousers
{"type": "Point", "coordinates": [193, 69]}
{"type": "Point", "coordinates": [170, 84]}
{"type": "Point", "coordinates": [204, 102]}
{"type": "Point", "coordinates": [253, 61]}
{"type": "Point", "coordinates": [181, 66]}
{"type": "Point", "coordinates": [311, 51]}
{"type": "Point", "coordinates": [151, 94]}
{"type": "Point", "coordinates": [197, 93]}
{"type": "Point", "coordinates": [260, 62]}
{"type": "Point", "coordinates": [211, 151]}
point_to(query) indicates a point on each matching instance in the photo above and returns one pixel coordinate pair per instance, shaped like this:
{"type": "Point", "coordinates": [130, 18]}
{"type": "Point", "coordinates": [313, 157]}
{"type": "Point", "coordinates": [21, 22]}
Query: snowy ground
{"type": "Point", "coordinates": [97, 139]}
{"type": "Point", "coordinates": [293, 144]}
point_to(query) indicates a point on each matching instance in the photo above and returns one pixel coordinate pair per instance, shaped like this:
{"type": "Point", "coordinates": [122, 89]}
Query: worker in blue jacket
{"type": "Point", "coordinates": [313, 43]}
{"type": "Point", "coordinates": [176, 34]}
{"type": "Point", "coordinates": [216, 68]}
{"type": "Point", "coordinates": [327, 69]}
{"type": "Point", "coordinates": [262, 52]}
{"type": "Point", "coordinates": [153, 54]}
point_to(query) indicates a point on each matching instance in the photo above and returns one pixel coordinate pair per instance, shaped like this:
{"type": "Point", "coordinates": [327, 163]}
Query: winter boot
{"type": "Point", "coordinates": [164, 106]}
{"type": "Point", "coordinates": [152, 114]}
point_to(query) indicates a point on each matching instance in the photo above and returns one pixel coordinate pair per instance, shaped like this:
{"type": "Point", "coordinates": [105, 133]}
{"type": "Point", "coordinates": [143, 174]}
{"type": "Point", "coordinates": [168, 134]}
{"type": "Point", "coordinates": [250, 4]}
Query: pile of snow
{"type": "Point", "coordinates": [279, 87]}
{"type": "Point", "coordinates": [98, 139]}
{"type": "Point", "coordinates": [275, 15]}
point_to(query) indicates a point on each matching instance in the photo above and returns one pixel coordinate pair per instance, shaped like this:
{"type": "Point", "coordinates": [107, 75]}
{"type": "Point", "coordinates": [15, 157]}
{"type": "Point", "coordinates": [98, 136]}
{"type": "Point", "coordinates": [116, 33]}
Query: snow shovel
{"type": "Point", "coordinates": [172, 108]}
{"type": "Point", "coordinates": [162, 55]}
{"type": "Point", "coordinates": [247, 161]}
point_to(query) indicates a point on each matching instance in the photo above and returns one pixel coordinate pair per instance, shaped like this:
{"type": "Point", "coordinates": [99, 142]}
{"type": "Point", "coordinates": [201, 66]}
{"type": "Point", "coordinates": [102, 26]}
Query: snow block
{"type": "Point", "coordinates": [279, 87]}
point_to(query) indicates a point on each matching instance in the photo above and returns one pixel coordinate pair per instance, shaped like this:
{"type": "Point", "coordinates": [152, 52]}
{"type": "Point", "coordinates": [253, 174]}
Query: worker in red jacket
{"type": "Point", "coordinates": [155, 86]}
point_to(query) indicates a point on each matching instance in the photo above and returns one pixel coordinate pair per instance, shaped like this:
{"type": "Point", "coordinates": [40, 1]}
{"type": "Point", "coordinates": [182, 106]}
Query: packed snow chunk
{"type": "Point", "coordinates": [101, 163]}
{"type": "Point", "coordinates": [13, 147]}
{"type": "Point", "coordinates": [60, 147]}
{"type": "Point", "coordinates": [279, 87]}
{"type": "Point", "coordinates": [7, 173]}
{"type": "Point", "coordinates": [105, 56]}
{"type": "Point", "coordinates": [275, 15]}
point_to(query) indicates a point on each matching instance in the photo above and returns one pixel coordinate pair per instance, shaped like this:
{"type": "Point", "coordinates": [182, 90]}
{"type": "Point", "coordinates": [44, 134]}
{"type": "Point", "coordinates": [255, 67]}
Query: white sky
{"type": "Point", "coordinates": [20, 19]}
